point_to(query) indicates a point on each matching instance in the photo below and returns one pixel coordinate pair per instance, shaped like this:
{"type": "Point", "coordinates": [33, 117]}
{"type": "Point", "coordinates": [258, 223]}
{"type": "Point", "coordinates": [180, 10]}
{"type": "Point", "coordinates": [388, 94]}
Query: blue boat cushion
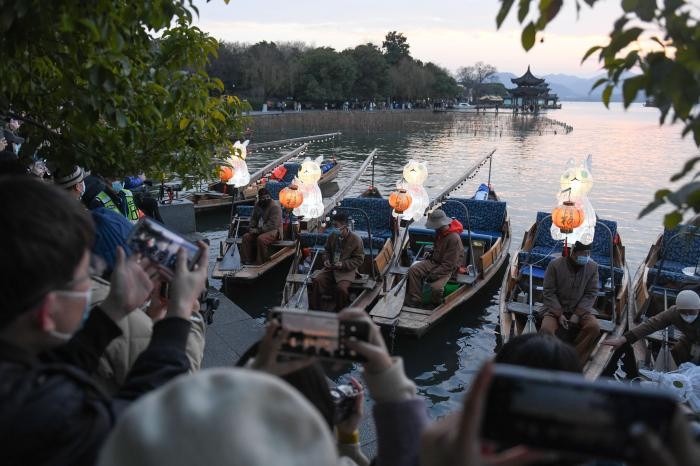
{"type": "Point", "coordinates": [292, 171]}
{"type": "Point", "coordinates": [377, 209]}
{"type": "Point", "coordinates": [603, 273]}
{"type": "Point", "coordinates": [676, 254]}
{"type": "Point", "coordinates": [429, 232]}
{"type": "Point", "coordinates": [244, 210]}
{"type": "Point", "coordinates": [485, 217]}
{"type": "Point", "coordinates": [319, 239]}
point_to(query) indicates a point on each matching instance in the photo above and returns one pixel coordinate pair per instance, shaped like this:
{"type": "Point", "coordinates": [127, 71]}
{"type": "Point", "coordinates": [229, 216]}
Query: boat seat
{"type": "Point", "coordinates": [363, 282]}
{"type": "Point", "coordinates": [399, 270]}
{"type": "Point", "coordinates": [276, 244]}
{"type": "Point", "coordinates": [476, 236]}
{"type": "Point", "coordinates": [378, 211]}
{"type": "Point", "coordinates": [524, 309]}
{"type": "Point", "coordinates": [485, 216]}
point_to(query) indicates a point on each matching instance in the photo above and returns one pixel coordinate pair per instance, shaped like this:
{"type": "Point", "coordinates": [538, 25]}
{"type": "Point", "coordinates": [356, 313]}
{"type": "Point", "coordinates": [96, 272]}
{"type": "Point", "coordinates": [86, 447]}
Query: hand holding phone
{"type": "Point", "coordinates": [320, 334]}
{"type": "Point", "coordinates": [373, 349]}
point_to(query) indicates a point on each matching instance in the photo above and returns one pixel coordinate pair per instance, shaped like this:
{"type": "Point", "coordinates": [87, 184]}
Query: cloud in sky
{"type": "Point", "coordinates": [451, 33]}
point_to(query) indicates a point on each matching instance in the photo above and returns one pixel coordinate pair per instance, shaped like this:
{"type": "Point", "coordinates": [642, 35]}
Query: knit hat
{"type": "Point", "coordinates": [437, 219]}
{"type": "Point", "coordinates": [687, 300]}
{"type": "Point", "coordinates": [68, 178]}
{"type": "Point", "coordinates": [232, 417]}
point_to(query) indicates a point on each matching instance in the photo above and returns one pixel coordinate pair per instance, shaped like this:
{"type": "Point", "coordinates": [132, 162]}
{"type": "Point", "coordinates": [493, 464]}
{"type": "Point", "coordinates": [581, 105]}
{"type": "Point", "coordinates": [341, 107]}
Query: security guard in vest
{"type": "Point", "coordinates": [114, 197]}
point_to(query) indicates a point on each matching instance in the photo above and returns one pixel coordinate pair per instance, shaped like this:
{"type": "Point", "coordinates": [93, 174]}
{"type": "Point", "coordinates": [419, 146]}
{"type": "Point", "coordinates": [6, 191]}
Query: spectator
{"type": "Point", "coordinates": [539, 351]}
{"type": "Point", "coordinates": [51, 409]}
{"type": "Point", "coordinates": [247, 418]}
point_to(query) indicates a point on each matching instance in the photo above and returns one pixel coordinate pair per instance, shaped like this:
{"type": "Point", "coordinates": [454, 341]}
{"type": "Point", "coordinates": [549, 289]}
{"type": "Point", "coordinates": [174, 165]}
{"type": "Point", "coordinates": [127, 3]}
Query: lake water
{"type": "Point", "coordinates": [632, 157]}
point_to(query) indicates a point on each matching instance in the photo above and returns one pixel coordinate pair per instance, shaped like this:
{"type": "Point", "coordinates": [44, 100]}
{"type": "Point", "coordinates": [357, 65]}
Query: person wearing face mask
{"type": "Point", "coordinates": [684, 316]}
{"type": "Point", "coordinates": [71, 179]}
{"type": "Point", "coordinates": [570, 290]}
{"type": "Point", "coordinates": [52, 410]}
{"type": "Point", "coordinates": [115, 197]}
{"type": "Point", "coordinates": [343, 255]}
{"type": "Point", "coordinates": [265, 229]}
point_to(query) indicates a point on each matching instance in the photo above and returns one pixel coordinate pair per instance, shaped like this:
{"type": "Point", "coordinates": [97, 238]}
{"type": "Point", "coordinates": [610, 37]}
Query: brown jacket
{"type": "Point", "coordinates": [662, 320]}
{"type": "Point", "coordinates": [447, 256]}
{"type": "Point", "coordinates": [271, 217]}
{"type": "Point", "coordinates": [352, 255]}
{"type": "Point", "coordinates": [568, 288]}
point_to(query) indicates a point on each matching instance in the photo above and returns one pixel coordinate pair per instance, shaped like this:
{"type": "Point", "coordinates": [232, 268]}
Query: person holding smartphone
{"type": "Point", "coordinates": [344, 254]}
{"type": "Point", "coordinates": [570, 289]}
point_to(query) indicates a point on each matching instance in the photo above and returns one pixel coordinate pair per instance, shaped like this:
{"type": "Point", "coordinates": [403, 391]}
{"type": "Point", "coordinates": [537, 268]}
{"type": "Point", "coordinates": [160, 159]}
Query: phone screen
{"type": "Point", "coordinates": [160, 245]}
{"type": "Point", "coordinates": [320, 334]}
{"type": "Point", "coordinates": [564, 412]}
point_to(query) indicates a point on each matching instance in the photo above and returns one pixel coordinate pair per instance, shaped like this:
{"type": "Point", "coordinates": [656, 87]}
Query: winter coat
{"type": "Point", "coordinates": [568, 288]}
{"type": "Point", "coordinates": [52, 411]}
{"type": "Point", "coordinates": [351, 255]}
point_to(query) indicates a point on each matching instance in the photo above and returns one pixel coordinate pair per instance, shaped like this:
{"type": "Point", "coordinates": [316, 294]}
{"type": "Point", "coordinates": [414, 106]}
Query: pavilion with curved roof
{"type": "Point", "coordinates": [531, 94]}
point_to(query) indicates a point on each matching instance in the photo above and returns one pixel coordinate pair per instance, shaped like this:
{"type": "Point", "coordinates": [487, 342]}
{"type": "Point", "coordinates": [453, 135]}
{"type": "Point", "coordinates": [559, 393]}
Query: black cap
{"type": "Point", "coordinates": [264, 192]}
{"type": "Point", "coordinates": [579, 246]}
{"type": "Point", "coordinates": [341, 217]}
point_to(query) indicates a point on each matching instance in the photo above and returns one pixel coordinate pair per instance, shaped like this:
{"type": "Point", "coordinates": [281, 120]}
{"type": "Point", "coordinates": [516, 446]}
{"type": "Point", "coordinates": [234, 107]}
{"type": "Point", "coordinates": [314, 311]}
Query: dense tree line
{"type": "Point", "coordinates": [321, 75]}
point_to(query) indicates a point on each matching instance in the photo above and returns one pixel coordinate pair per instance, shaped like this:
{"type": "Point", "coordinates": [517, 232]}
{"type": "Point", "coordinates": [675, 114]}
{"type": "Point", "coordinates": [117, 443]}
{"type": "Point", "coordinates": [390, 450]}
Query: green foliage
{"type": "Point", "coordinates": [372, 72]}
{"type": "Point", "coordinates": [395, 47]}
{"type": "Point", "coordinates": [119, 87]}
{"type": "Point", "coordinates": [670, 75]}
{"type": "Point", "coordinates": [329, 76]}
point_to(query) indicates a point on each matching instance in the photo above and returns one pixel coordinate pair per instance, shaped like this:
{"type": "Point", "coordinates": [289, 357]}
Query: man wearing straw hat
{"type": "Point", "coordinates": [447, 256]}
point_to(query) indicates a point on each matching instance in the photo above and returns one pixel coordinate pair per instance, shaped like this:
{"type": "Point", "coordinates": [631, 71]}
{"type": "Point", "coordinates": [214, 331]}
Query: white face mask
{"type": "Point", "coordinates": [86, 295]}
{"type": "Point", "coordinates": [690, 318]}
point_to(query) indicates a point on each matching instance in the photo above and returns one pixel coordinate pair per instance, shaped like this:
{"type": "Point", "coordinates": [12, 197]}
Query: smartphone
{"type": "Point", "coordinates": [320, 334]}
{"type": "Point", "coordinates": [160, 245]}
{"type": "Point", "coordinates": [564, 412]}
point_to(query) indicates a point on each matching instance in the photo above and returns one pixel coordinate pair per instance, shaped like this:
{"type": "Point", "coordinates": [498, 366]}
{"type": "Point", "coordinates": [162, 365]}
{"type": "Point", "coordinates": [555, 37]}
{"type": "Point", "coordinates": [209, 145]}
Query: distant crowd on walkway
{"type": "Point", "coordinates": [101, 354]}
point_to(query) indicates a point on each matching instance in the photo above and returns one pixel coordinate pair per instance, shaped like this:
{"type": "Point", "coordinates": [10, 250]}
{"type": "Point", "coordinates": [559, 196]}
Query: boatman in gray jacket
{"type": "Point", "coordinates": [570, 289]}
{"type": "Point", "coordinates": [683, 316]}
{"type": "Point", "coordinates": [265, 229]}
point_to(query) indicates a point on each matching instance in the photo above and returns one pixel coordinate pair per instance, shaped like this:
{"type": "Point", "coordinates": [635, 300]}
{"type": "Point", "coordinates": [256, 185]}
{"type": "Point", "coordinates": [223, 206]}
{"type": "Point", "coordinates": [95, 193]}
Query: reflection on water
{"type": "Point", "coordinates": [632, 157]}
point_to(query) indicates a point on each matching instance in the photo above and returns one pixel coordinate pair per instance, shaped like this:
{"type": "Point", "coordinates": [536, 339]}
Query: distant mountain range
{"type": "Point", "coordinates": [568, 87]}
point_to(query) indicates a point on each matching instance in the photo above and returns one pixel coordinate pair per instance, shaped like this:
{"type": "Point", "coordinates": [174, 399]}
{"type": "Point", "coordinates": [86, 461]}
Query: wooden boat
{"type": "Point", "coordinates": [220, 196]}
{"type": "Point", "coordinates": [374, 223]}
{"type": "Point", "coordinates": [671, 264]}
{"type": "Point", "coordinates": [486, 241]}
{"type": "Point", "coordinates": [228, 265]}
{"type": "Point", "coordinates": [521, 291]}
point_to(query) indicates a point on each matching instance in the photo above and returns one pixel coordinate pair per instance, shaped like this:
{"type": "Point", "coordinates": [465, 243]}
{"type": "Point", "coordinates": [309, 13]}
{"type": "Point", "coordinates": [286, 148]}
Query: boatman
{"type": "Point", "coordinates": [344, 254]}
{"type": "Point", "coordinates": [683, 316]}
{"type": "Point", "coordinates": [265, 229]}
{"type": "Point", "coordinates": [436, 270]}
{"type": "Point", "coordinates": [570, 290]}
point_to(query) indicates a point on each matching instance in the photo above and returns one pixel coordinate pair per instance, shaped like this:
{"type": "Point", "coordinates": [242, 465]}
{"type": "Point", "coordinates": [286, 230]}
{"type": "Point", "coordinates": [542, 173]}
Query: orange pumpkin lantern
{"type": "Point", "coordinates": [225, 173]}
{"type": "Point", "coordinates": [567, 217]}
{"type": "Point", "coordinates": [291, 197]}
{"type": "Point", "coordinates": [400, 201]}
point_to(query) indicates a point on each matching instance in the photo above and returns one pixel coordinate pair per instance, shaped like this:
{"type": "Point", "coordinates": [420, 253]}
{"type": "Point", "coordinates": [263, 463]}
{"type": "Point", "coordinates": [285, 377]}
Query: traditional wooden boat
{"type": "Point", "coordinates": [672, 264]}
{"type": "Point", "coordinates": [220, 196]}
{"type": "Point", "coordinates": [486, 241]}
{"type": "Point", "coordinates": [372, 220]}
{"type": "Point", "coordinates": [521, 291]}
{"type": "Point", "coordinates": [228, 265]}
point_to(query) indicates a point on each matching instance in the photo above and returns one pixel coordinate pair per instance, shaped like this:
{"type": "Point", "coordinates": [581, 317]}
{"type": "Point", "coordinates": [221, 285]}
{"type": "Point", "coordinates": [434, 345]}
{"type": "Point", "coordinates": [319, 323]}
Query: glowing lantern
{"type": "Point", "coordinates": [400, 201]}
{"type": "Point", "coordinates": [567, 217]}
{"type": "Point", "coordinates": [225, 173]}
{"type": "Point", "coordinates": [291, 197]}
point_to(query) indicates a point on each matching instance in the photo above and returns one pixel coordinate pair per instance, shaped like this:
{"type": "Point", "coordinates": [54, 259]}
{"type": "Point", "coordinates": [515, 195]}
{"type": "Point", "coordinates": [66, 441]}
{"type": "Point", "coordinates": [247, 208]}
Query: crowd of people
{"type": "Point", "coordinates": [99, 366]}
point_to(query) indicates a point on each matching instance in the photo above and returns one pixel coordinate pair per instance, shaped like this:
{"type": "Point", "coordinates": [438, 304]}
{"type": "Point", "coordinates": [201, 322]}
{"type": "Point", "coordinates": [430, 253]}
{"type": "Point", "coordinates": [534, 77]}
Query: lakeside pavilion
{"type": "Point", "coordinates": [530, 95]}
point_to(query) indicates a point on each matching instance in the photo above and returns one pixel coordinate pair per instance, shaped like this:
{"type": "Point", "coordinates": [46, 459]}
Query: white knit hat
{"type": "Point", "coordinates": [224, 416]}
{"type": "Point", "coordinates": [687, 300]}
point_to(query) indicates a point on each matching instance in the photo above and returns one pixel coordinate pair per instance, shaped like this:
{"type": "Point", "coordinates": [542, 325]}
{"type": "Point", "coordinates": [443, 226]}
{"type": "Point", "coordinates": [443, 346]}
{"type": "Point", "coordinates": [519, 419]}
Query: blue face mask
{"type": "Point", "coordinates": [117, 185]}
{"type": "Point", "coordinates": [582, 260]}
{"type": "Point", "coordinates": [86, 295]}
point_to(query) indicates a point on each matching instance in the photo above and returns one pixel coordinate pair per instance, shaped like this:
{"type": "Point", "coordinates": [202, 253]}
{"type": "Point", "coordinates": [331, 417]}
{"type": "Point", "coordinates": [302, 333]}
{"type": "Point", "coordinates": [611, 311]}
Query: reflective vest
{"type": "Point", "coordinates": [131, 212]}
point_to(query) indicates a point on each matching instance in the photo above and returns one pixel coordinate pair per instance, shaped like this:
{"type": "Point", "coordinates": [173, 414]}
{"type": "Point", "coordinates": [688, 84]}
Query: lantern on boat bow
{"type": "Point", "coordinates": [241, 176]}
{"type": "Point", "coordinates": [567, 217]}
{"type": "Point", "coordinates": [291, 197]}
{"type": "Point", "coordinates": [225, 173]}
{"type": "Point", "coordinates": [400, 201]}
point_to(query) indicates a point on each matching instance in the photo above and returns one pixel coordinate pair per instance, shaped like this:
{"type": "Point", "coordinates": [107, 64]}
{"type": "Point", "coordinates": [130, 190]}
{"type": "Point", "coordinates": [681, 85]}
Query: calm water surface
{"type": "Point", "coordinates": [632, 157]}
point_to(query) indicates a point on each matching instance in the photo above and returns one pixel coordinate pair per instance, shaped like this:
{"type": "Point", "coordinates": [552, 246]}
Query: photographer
{"type": "Point", "coordinates": [51, 409]}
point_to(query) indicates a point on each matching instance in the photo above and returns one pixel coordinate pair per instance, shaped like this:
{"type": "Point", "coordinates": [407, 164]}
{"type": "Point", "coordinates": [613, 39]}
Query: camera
{"type": "Point", "coordinates": [344, 397]}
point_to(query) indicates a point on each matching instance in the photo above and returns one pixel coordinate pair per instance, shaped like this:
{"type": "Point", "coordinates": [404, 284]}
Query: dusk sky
{"type": "Point", "coordinates": [451, 33]}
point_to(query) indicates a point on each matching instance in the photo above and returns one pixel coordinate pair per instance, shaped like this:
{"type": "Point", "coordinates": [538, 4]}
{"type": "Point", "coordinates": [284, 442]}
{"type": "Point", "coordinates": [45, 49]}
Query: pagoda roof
{"type": "Point", "coordinates": [530, 90]}
{"type": "Point", "coordinates": [528, 79]}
